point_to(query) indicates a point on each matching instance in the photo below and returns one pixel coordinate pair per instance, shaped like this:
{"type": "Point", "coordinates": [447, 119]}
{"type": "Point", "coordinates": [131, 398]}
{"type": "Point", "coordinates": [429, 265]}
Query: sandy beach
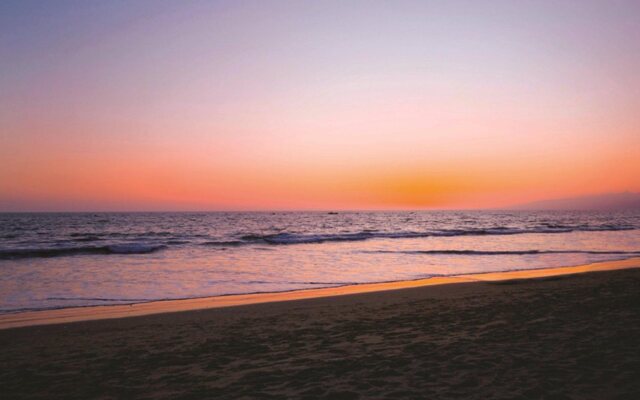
{"type": "Point", "coordinates": [319, 200]}
{"type": "Point", "coordinates": [552, 335]}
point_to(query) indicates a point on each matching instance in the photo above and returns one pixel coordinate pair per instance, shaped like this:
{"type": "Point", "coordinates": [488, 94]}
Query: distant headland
{"type": "Point", "coordinates": [601, 202]}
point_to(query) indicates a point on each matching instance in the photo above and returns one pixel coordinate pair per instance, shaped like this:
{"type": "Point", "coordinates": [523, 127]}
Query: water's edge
{"type": "Point", "coordinates": [112, 311]}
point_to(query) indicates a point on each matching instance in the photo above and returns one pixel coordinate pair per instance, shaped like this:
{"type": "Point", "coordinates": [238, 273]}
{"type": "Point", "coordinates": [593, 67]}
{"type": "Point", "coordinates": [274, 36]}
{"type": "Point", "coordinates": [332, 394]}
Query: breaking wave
{"type": "Point", "coordinates": [291, 238]}
{"type": "Point", "coordinates": [127, 248]}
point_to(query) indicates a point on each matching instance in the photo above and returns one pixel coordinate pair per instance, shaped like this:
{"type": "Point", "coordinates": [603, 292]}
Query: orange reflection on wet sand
{"type": "Point", "coordinates": [157, 307]}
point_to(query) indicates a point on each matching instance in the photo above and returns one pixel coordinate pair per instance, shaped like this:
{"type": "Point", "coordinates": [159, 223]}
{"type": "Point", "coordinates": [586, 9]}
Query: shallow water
{"type": "Point", "coordinates": [63, 259]}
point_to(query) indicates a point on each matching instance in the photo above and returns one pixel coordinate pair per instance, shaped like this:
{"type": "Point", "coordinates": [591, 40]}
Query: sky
{"type": "Point", "coordinates": [291, 105]}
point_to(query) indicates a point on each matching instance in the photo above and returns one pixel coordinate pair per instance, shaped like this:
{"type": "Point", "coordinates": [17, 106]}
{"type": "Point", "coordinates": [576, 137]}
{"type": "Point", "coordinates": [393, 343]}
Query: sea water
{"type": "Point", "coordinates": [55, 260]}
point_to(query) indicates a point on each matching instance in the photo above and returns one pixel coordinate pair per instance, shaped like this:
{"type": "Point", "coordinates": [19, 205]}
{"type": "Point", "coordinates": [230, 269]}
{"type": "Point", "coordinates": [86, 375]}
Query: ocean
{"type": "Point", "coordinates": [57, 260]}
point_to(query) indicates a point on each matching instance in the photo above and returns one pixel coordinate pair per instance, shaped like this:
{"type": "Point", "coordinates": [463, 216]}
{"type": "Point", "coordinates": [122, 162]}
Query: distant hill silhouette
{"type": "Point", "coordinates": [608, 201]}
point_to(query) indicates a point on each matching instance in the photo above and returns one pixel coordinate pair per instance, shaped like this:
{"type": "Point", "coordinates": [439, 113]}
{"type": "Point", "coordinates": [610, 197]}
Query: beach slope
{"type": "Point", "coordinates": [559, 336]}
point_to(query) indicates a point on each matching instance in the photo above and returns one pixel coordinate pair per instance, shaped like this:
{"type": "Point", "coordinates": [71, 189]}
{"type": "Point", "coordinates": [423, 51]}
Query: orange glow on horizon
{"type": "Point", "coordinates": [285, 106]}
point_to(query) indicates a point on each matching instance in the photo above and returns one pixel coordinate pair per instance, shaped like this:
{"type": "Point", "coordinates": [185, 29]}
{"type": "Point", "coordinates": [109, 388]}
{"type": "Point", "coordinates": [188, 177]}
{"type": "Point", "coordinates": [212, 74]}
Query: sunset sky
{"type": "Point", "coordinates": [256, 105]}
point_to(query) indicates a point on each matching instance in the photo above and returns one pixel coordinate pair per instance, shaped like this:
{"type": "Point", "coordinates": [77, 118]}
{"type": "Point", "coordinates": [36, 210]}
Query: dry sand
{"type": "Point", "coordinates": [504, 336]}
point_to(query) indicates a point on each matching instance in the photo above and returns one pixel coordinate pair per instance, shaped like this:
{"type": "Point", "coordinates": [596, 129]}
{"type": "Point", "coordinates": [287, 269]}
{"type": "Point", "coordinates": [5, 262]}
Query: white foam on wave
{"type": "Point", "coordinates": [303, 238]}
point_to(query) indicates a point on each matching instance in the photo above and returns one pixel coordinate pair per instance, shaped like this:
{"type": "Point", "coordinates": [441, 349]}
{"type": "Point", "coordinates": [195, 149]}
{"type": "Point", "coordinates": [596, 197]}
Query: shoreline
{"type": "Point", "coordinates": [562, 335]}
{"type": "Point", "coordinates": [117, 311]}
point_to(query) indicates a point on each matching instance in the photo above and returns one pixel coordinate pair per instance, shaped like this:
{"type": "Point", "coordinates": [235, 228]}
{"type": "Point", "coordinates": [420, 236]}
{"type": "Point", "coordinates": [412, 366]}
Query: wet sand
{"type": "Point", "coordinates": [500, 336]}
{"type": "Point", "coordinates": [157, 307]}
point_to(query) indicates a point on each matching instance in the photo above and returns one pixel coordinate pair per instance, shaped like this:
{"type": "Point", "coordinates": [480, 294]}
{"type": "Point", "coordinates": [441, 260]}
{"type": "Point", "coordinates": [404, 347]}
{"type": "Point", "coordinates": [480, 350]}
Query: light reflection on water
{"type": "Point", "coordinates": [195, 271]}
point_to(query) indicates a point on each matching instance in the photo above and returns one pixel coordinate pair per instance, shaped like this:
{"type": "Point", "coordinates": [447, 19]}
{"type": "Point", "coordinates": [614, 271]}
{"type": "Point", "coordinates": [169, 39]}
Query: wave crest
{"type": "Point", "coordinates": [126, 248]}
{"type": "Point", "coordinates": [294, 238]}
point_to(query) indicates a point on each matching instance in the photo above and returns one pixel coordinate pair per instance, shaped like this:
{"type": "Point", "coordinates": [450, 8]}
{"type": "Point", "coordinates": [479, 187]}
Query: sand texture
{"type": "Point", "coordinates": [571, 336]}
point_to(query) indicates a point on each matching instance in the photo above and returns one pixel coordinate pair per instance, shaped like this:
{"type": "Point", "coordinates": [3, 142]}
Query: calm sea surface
{"type": "Point", "coordinates": [78, 259]}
